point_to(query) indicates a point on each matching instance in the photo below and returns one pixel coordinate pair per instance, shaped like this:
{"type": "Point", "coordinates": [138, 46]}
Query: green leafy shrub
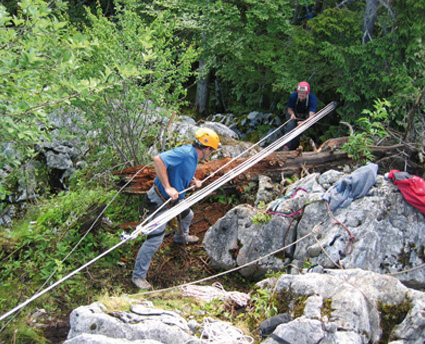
{"type": "Point", "coordinates": [148, 66]}
{"type": "Point", "coordinates": [224, 197]}
{"type": "Point", "coordinates": [23, 334]}
{"type": "Point", "coordinates": [58, 237]}
{"type": "Point", "coordinates": [371, 128]}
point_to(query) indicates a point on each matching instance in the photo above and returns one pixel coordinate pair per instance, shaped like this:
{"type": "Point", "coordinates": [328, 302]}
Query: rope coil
{"type": "Point", "coordinates": [216, 291]}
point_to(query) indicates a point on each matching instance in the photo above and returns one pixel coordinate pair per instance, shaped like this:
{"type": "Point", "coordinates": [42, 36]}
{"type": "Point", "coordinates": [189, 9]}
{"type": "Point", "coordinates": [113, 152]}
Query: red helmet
{"type": "Point", "coordinates": [303, 87]}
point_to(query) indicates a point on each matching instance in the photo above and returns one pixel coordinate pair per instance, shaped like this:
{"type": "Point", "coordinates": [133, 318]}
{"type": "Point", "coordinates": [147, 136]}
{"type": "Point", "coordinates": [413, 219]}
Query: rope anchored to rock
{"type": "Point", "coordinates": [147, 227]}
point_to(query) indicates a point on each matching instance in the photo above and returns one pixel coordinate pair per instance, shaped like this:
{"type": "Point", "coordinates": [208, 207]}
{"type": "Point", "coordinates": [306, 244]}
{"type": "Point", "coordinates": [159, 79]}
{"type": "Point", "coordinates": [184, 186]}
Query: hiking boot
{"type": "Point", "coordinates": [141, 283]}
{"type": "Point", "coordinates": [191, 239]}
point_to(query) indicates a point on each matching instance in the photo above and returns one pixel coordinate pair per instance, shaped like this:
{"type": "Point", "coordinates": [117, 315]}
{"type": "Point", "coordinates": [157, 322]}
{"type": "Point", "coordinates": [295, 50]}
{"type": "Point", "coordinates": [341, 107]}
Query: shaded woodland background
{"type": "Point", "coordinates": [117, 72]}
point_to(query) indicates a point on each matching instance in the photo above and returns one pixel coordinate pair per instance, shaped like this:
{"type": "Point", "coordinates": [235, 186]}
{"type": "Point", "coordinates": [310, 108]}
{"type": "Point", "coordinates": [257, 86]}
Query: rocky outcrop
{"type": "Point", "coordinates": [57, 159]}
{"type": "Point", "coordinates": [333, 292]}
{"type": "Point", "coordinates": [185, 127]}
{"type": "Point", "coordinates": [388, 232]}
{"type": "Point", "coordinates": [237, 239]}
{"type": "Point", "coordinates": [64, 153]}
{"type": "Point", "coordinates": [347, 306]}
{"type": "Point", "coordinates": [332, 307]}
{"type": "Point", "coordinates": [143, 324]}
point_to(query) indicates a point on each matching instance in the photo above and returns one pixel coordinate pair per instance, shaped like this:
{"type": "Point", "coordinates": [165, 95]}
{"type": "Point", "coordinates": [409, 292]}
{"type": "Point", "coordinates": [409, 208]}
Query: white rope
{"type": "Point", "coordinates": [216, 291]}
{"type": "Point", "coordinates": [220, 332]}
{"type": "Point", "coordinates": [165, 217]}
{"type": "Point", "coordinates": [407, 270]}
{"type": "Point", "coordinates": [36, 296]}
{"type": "Point", "coordinates": [246, 150]}
{"type": "Point", "coordinates": [240, 267]}
{"type": "Point", "coordinates": [194, 198]}
{"type": "Point", "coordinates": [124, 235]}
{"type": "Point", "coordinates": [39, 292]}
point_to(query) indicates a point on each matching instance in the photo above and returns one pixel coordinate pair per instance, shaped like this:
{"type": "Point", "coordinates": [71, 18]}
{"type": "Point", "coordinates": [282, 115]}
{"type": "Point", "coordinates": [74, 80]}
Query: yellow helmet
{"type": "Point", "coordinates": [207, 137]}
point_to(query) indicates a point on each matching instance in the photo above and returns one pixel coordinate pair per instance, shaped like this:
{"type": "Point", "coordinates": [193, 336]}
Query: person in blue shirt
{"type": "Point", "coordinates": [175, 170]}
{"type": "Point", "coordinates": [302, 105]}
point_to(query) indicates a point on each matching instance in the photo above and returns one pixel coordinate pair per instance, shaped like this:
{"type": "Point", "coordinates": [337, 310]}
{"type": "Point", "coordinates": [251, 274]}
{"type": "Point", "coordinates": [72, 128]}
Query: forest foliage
{"type": "Point", "coordinates": [126, 66]}
{"type": "Point", "coordinates": [113, 67]}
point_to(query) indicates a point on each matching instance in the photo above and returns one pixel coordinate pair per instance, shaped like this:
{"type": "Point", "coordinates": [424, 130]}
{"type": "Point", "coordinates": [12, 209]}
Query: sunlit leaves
{"type": "Point", "coordinates": [369, 127]}
{"type": "Point", "coordinates": [146, 63]}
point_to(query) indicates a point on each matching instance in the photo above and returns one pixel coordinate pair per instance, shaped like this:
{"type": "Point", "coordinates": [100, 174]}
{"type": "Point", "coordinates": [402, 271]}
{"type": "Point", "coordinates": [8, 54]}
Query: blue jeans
{"type": "Point", "coordinates": [154, 239]}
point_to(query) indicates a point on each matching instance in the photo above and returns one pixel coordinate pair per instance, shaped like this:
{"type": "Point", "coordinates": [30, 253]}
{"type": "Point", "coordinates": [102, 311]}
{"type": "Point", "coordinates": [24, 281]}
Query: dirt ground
{"type": "Point", "coordinates": [172, 265]}
{"type": "Point", "coordinates": [181, 264]}
{"type": "Point", "coordinates": [175, 264]}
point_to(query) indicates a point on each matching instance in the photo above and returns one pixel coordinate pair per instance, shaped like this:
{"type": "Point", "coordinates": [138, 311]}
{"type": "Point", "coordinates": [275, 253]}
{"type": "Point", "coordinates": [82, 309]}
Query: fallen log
{"type": "Point", "coordinates": [288, 163]}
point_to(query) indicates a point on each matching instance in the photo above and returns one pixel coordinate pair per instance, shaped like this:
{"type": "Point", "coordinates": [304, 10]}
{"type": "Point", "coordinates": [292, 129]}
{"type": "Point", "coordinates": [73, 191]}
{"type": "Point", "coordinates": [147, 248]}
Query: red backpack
{"type": "Point", "coordinates": [412, 188]}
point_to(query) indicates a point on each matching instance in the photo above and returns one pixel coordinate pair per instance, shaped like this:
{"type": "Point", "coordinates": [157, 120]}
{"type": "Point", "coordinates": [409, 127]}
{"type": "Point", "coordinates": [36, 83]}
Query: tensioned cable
{"type": "Point", "coordinates": [94, 222]}
{"type": "Point", "coordinates": [197, 196]}
{"type": "Point", "coordinates": [181, 206]}
{"type": "Point", "coordinates": [83, 237]}
{"type": "Point", "coordinates": [216, 171]}
{"type": "Point", "coordinates": [222, 167]}
{"type": "Point", "coordinates": [240, 267]}
{"type": "Point", "coordinates": [22, 305]}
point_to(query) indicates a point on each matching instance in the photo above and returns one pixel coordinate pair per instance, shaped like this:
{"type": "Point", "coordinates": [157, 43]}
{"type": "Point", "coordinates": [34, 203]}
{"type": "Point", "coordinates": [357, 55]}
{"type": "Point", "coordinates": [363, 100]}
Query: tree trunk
{"type": "Point", "coordinates": [324, 6]}
{"type": "Point", "coordinates": [202, 96]}
{"type": "Point", "coordinates": [296, 13]}
{"type": "Point", "coordinates": [220, 105]}
{"type": "Point", "coordinates": [369, 19]}
{"type": "Point", "coordinates": [408, 133]}
{"type": "Point", "coordinates": [275, 165]}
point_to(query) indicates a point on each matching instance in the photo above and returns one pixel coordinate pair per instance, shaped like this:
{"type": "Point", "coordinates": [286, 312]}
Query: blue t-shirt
{"type": "Point", "coordinates": [181, 164]}
{"type": "Point", "coordinates": [302, 107]}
